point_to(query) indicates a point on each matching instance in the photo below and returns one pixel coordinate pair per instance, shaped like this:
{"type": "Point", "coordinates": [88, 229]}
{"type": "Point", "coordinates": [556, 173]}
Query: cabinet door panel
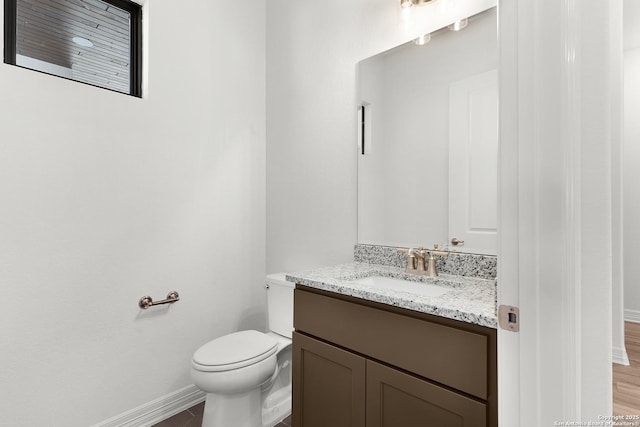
{"type": "Point", "coordinates": [328, 385]}
{"type": "Point", "coordinates": [396, 399]}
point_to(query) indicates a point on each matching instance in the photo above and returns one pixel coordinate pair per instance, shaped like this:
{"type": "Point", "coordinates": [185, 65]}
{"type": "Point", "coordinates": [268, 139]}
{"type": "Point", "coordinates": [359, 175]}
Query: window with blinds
{"type": "Point", "coordinates": [97, 42]}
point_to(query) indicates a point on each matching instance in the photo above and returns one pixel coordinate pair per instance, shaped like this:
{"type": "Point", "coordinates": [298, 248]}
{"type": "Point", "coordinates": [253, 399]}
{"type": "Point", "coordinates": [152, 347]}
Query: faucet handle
{"type": "Point", "coordinates": [422, 251]}
{"type": "Point", "coordinates": [411, 263]}
{"type": "Point", "coordinates": [411, 258]}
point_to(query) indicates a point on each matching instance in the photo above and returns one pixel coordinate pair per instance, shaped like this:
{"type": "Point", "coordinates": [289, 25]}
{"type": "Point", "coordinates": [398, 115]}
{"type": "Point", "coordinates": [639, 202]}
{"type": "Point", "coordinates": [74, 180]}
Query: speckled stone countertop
{"type": "Point", "coordinates": [471, 299]}
{"type": "Point", "coordinates": [457, 263]}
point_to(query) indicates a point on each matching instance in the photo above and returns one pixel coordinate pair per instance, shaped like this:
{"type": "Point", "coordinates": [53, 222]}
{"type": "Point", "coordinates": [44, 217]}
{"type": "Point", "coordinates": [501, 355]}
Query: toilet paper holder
{"type": "Point", "coordinates": [146, 301]}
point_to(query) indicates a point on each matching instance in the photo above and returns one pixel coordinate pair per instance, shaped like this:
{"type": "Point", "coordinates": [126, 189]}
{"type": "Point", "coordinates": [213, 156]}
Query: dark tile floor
{"type": "Point", "coordinates": [192, 417]}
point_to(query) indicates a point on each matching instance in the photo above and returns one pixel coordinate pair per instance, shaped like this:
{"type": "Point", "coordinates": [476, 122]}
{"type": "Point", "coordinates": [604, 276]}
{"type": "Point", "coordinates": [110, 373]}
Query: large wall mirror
{"type": "Point", "coordinates": [428, 141]}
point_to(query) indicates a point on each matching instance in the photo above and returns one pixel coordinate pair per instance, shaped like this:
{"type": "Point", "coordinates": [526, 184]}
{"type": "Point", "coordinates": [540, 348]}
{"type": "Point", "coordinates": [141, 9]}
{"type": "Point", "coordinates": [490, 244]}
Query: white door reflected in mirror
{"type": "Point", "coordinates": [473, 162]}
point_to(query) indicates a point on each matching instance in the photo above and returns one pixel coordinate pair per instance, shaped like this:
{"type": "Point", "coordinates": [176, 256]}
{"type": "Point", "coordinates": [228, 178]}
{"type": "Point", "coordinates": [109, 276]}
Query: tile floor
{"type": "Point", "coordinates": [192, 417]}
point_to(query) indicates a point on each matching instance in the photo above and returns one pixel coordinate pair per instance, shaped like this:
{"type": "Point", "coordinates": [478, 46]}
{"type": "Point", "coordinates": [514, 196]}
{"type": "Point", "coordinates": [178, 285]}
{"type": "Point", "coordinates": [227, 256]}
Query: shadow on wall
{"type": "Point", "coordinates": [253, 318]}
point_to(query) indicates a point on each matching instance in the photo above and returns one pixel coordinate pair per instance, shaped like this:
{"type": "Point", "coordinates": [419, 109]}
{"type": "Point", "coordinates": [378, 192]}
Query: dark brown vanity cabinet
{"type": "Point", "coordinates": [362, 364]}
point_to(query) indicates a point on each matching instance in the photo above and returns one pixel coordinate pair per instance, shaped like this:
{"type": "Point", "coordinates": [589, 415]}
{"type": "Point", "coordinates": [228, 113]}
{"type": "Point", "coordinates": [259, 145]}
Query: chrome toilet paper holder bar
{"type": "Point", "coordinates": [146, 301]}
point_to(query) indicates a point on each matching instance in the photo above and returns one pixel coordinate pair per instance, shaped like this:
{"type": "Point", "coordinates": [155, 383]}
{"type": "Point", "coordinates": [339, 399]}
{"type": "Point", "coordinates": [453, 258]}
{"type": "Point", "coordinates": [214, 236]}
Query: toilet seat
{"type": "Point", "coordinates": [234, 351]}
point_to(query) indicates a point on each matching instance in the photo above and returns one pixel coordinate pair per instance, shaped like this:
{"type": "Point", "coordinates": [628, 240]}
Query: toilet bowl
{"type": "Point", "coordinates": [247, 374]}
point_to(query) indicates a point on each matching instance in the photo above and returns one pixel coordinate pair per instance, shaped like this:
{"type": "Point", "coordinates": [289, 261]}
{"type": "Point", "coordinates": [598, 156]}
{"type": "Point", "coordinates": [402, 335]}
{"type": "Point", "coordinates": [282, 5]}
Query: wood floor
{"type": "Point", "coordinates": [626, 379]}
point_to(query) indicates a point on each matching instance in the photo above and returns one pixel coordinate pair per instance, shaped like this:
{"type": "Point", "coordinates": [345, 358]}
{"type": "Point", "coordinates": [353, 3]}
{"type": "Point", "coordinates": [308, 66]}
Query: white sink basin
{"type": "Point", "coordinates": [390, 283]}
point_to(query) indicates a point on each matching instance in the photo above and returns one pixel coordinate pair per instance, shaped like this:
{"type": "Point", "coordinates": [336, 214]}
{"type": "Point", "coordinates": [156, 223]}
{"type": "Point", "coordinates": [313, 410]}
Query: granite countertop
{"type": "Point", "coordinates": [471, 300]}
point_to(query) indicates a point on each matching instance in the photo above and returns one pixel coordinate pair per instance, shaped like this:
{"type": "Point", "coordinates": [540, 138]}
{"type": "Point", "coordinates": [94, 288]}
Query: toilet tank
{"type": "Point", "coordinates": [280, 304]}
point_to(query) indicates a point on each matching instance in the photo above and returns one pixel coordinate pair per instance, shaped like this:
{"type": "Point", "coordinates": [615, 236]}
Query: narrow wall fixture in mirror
{"type": "Point", "coordinates": [363, 124]}
{"type": "Point", "coordinates": [365, 115]}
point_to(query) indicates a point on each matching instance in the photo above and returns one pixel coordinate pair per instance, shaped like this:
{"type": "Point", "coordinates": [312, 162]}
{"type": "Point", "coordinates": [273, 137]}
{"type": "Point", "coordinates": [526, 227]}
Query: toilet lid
{"type": "Point", "coordinates": [234, 351]}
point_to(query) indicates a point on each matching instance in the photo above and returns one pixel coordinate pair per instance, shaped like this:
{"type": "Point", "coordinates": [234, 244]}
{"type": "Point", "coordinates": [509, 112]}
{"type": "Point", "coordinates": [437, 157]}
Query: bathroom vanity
{"type": "Point", "coordinates": [362, 358]}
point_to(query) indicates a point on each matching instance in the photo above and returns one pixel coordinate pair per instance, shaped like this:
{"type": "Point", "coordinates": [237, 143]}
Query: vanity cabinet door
{"type": "Point", "coordinates": [396, 399]}
{"type": "Point", "coordinates": [328, 385]}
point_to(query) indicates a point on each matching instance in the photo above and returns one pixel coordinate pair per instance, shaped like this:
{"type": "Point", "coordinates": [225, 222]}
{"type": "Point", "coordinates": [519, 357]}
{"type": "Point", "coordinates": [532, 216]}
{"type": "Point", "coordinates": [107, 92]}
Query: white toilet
{"type": "Point", "coordinates": [247, 374]}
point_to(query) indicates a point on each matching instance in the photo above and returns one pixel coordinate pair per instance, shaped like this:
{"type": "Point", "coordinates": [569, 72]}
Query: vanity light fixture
{"type": "Point", "coordinates": [459, 25]}
{"type": "Point", "coordinates": [422, 40]}
{"type": "Point", "coordinates": [409, 3]}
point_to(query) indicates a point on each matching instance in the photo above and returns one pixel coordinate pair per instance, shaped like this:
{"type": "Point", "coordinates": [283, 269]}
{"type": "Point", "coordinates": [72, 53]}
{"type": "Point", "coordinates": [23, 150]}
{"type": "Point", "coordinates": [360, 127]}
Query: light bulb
{"type": "Point", "coordinates": [423, 39]}
{"type": "Point", "coordinates": [459, 25]}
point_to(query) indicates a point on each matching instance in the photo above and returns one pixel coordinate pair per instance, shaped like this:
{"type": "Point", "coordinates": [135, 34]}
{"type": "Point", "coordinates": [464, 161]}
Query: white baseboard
{"type": "Point", "coordinates": [157, 410]}
{"type": "Point", "coordinates": [619, 356]}
{"type": "Point", "coordinates": [632, 316]}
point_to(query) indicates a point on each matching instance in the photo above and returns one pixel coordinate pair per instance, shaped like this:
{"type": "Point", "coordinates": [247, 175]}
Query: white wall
{"type": "Point", "coordinates": [403, 182]}
{"type": "Point", "coordinates": [619, 351]}
{"type": "Point", "coordinates": [312, 50]}
{"type": "Point", "coordinates": [631, 183]}
{"type": "Point", "coordinates": [106, 198]}
{"type": "Point", "coordinates": [631, 148]}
